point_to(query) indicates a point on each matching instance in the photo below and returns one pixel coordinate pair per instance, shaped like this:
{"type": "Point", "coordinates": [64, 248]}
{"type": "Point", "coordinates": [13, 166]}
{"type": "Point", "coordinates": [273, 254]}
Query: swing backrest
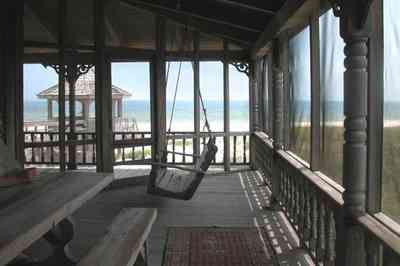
{"type": "Point", "coordinates": [207, 156]}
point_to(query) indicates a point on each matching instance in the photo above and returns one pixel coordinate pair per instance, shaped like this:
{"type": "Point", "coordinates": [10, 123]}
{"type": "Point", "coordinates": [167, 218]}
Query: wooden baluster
{"type": "Point", "coordinates": [330, 237]}
{"type": "Point", "coordinates": [51, 149]}
{"type": "Point", "coordinates": [300, 190]}
{"type": "Point", "coordinates": [134, 147]}
{"type": "Point", "coordinates": [286, 185]}
{"type": "Point", "coordinates": [314, 222]}
{"type": "Point", "coordinates": [390, 258]}
{"type": "Point", "coordinates": [184, 149]}
{"type": "Point", "coordinates": [94, 148]}
{"type": "Point", "coordinates": [173, 148]}
{"type": "Point", "coordinates": [244, 149]}
{"type": "Point", "coordinates": [289, 196]}
{"type": "Point", "coordinates": [41, 147]}
{"type": "Point", "coordinates": [373, 251]}
{"type": "Point", "coordinates": [321, 231]}
{"type": "Point", "coordinates": [296, 200]}
{"type": "Point", "coordinates": [234, 149]}
{"type": "Point", "coordinates": [143, 154]}
{"type": "Point", "coordinates": [123, 147]}
{"type": "Point", "coordinates": [33, 149]}
{"type": "Point", "coordinates": [307, 215]}
{"type": "Point", "coordinates": [85, 146]}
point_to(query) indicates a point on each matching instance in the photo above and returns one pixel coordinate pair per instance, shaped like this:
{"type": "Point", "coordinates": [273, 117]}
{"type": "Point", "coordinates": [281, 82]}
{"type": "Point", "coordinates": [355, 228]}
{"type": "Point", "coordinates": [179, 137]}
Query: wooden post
{"type": "Point", "coordinates": [278, 127]}
{"type": "Point", "coordinates": [62, 25]}
{"type": "Point", "coordinates": [158, 94]}
{"type": "Point", "coordinates": [86, 111]}
{"type": "Point", "coordinates": [227, 153]}
{"type": "Point", "coordinates": [13, 75]}
{"type": "Point", "coordinates": [353, 15]}
{"type": "Point", "coordinates": [196, 98]}
{"type": "Point", "coordinates": [103, 101]}
{"type": "Point", "coordinates": [72, 78]}
{"type": "Point", "coordinates": [119, 108]}
{"type": "Point", "coordinates": [49, 109]}
{"type": "Point", "coordinates": [315, 93]}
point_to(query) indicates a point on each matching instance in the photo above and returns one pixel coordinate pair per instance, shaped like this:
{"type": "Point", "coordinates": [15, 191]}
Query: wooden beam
{"type": "Point", "coordinates": [238, 34]}
{"type": "Point", "coordinates": [227, 137]}
{"type": "Point", "coordinates": [129, 54]}
{"type": "Point", "coordinates": [246, 6]}
{"type": "Point", "coordinates": [104, 148]}
{"type": "Point", "coordinates": [275, 25]}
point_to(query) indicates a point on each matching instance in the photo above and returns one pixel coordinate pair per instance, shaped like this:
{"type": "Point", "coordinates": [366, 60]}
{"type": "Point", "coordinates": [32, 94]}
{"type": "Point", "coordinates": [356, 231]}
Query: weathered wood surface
{"type": "Point", "coordinates": [33, 210]}
{"type": "Point", "coordinates": [234, 200]}
{"type": "Point", "coordinates": [125, 238]}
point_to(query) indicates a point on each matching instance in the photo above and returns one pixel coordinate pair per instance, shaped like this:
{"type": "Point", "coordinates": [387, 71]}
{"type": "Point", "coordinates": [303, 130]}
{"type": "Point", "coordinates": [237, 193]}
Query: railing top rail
{"type": "Point", "coordinates": [322, 186]}
{"type": "Point", "coordinates": [381, 232]}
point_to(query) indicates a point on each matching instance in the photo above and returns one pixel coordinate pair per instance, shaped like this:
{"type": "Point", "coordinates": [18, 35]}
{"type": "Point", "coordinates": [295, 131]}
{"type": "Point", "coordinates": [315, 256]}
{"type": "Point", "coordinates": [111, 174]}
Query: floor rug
{"type": "Point", "coordinates": [217, 246]}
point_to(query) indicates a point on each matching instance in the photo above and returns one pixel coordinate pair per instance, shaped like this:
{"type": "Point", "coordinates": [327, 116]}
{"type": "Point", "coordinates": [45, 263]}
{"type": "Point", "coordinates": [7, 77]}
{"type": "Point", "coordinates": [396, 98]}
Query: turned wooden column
{"type": "Point", "coordinates": [353, 15]}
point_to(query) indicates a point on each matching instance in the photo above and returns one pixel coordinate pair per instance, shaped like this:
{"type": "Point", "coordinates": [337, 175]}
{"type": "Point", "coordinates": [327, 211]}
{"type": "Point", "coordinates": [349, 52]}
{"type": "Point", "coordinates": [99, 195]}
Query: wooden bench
{"type": "Point", "coordinates": [35, 210]}
{"type": "Point", "coordinates": [125, 241]}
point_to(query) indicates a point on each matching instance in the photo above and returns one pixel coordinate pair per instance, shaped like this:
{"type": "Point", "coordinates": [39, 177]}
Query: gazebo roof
{"type": "Point", "coordinates": [84, 89]}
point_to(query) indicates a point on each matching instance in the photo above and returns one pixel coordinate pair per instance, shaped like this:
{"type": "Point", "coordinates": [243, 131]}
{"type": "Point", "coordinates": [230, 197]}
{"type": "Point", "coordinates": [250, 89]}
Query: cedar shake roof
{"type": "Point", "coordinates": [84, 89]}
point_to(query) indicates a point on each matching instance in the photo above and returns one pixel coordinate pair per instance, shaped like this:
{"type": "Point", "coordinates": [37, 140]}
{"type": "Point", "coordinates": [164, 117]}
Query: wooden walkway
{"type": "Point", "coordinates": [235, 199]}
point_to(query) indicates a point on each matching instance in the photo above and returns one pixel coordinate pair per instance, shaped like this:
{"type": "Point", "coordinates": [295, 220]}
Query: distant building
{"type": "Point", "coordinates": [85, 95]}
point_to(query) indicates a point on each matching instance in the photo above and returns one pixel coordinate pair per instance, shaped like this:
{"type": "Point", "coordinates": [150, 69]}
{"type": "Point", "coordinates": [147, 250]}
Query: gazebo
{"type": "Point", "coordinates": [85, 95]}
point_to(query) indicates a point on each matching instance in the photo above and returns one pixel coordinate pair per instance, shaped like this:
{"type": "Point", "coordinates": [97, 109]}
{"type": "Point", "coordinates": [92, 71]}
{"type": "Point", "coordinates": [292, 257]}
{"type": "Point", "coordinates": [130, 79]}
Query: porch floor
{"type": "Point", "coordinates": [235, 199]}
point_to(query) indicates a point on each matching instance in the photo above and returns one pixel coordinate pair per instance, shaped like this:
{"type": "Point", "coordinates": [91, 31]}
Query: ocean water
{"type": "Point", "coordinates": [140, 111]}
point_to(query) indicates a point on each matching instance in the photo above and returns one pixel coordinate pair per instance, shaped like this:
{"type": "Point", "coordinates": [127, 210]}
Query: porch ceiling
{"type": "Point", "coordinates": [130, 23]}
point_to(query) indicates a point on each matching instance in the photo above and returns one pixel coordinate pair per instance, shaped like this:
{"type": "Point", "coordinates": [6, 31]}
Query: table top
{"type": "Point", "coordinates": [28, 211]}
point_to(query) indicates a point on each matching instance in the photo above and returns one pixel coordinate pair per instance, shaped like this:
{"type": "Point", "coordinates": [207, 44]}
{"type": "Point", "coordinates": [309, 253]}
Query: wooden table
{"type": "Point", "coordinates": [31, 211]}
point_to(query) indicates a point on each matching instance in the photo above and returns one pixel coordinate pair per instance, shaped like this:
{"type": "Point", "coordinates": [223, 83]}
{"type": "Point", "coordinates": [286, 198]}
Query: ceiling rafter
{"type": "Point", "coordinates": [50, 29]}
{"type": "Point", "coordinates": [246, 6]}
{"type": "Point", "coordinates": [275, 25]}
{"type": "Point", "coordinates": [239, 34]}
{"type": "Point", "coordinates": [113, 24]}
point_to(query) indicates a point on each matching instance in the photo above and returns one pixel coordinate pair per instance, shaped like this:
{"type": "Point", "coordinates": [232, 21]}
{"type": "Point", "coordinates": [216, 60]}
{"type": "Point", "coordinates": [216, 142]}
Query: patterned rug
{"type": "Point", "coordinates": [217, 246]}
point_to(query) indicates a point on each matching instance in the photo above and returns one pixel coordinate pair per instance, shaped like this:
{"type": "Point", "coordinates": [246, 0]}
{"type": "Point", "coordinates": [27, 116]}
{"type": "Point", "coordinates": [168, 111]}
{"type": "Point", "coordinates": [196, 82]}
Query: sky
{"type": "Point", "coordinates": [134, 77]}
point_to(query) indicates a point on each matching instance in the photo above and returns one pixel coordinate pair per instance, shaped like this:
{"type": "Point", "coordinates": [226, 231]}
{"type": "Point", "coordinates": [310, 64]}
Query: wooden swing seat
{"type": "Point", "coordinates": [166, 180]}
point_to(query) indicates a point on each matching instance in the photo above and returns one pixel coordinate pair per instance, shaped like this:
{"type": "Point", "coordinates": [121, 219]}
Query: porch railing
{"type": "Point", "coordinates": [315, 209]}
{"type": "Point", "coordinates": [131, 147]}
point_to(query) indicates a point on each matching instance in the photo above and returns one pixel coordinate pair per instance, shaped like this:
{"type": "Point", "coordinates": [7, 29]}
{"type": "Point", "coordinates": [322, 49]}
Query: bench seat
{"type": "Point", "coordinates": [124, 241]}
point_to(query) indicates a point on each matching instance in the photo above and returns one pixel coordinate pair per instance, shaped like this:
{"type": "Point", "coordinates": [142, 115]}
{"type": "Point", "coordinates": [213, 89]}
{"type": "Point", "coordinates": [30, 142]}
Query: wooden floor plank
{"type": "Point", "coordinates": [233, 200]}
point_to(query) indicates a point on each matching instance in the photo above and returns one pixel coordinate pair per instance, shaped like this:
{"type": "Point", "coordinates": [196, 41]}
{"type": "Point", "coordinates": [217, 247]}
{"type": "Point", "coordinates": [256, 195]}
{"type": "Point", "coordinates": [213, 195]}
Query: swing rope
{"type": "Point", "coordinates": [206, 123]}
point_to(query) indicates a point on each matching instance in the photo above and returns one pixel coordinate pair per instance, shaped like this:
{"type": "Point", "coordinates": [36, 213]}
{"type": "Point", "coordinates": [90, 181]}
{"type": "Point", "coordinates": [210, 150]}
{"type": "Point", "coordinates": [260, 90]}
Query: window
{"type": "Point", "coordinates": [391, 111]}
{"type": "Point", "coordinates": [300, 94]}
{"type": "Point", "coordinates": [331, 84]}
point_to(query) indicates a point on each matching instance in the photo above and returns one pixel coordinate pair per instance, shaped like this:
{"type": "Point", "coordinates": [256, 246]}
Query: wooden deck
{"type": "Point", "coordinates": [236, 199]}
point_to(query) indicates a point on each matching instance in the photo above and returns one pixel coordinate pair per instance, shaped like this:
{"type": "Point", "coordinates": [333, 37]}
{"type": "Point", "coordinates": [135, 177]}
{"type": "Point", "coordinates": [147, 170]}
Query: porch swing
{"type": "Point", "coordinates": [182, 182]}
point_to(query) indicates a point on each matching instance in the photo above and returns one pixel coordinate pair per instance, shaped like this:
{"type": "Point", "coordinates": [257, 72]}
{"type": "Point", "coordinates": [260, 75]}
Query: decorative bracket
{"type": "Point", "coordinates": [242, 67]}
{"type": "Point", "coordinates": [72, 71]}
{"type": "Point", "coordinates": [356, 9]}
